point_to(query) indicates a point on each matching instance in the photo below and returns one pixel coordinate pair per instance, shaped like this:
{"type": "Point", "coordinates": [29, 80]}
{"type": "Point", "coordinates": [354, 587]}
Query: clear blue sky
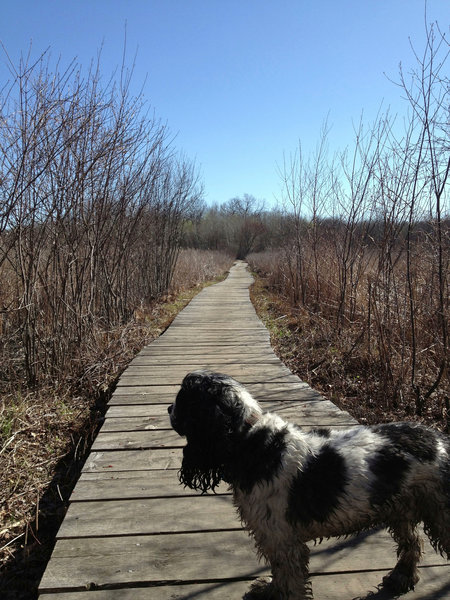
{"type": "Point", "coordinates": [238, 81]}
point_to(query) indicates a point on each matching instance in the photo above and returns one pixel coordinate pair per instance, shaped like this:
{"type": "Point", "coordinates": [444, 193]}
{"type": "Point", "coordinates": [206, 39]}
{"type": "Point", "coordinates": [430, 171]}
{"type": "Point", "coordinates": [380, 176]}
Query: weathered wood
{"type": "Point", "coordinates": [133, 460]}
{"type": "Point", "coordinates": [263, 392]}
{"type": "Point", "coordinates": [193, 557]}
{"type": "Point", "coordinates": [198, 556]}
{"type": "Point", "coordinates": [119, 420]}
{"type": "Point", "coordinates": [434, 585]}
{"type": "Point", "coordinates": [170, 359]}
{"type": "Point", "coordinates": [124, 485]}
{"type": "Point", "coordinates": [135, 381]}
{"type": "Point", "coordinates": [216, 513]}
{"type": "Point", "coordinates": [144, 417]}
{"type": "Point", "coordinates": [200, 354]}
{"type": "Point", "coordinates": [154, 439]}
{"type": "Point", "coordinates": [138, 440]}
{"type": "Point", "coordinates": [147, 516]}
{"type": "Point", "coordinates": [240, 372]}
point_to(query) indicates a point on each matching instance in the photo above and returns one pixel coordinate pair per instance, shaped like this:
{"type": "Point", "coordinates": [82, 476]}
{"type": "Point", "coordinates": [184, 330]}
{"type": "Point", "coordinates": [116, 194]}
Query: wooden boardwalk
{"type": "Point", "coordinates": [132, 532]}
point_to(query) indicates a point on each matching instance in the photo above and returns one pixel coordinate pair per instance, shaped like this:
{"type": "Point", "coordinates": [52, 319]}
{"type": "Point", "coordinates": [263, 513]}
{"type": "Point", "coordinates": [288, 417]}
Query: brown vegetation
{"type": "Point", "coordinates": [93, 204]}
{"type": "Point", "coordinates": [364, 365]}
{"type": "Point", "coordinates": [94, 200]}
{"type": "Point", "coordinates": [45, 434]}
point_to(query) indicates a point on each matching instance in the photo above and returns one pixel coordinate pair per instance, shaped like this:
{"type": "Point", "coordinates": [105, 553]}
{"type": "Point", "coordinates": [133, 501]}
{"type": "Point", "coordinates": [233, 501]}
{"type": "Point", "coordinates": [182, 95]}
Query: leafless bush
{"type": "Point", "coordinates": [196, 266]}
{"type": "Point", "coordinates": [93, 199]}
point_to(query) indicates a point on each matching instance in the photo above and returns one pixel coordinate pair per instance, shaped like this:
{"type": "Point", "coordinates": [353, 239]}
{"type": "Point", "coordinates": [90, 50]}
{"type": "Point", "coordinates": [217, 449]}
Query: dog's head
{"type": "Point", "coordinates": [212, 410]}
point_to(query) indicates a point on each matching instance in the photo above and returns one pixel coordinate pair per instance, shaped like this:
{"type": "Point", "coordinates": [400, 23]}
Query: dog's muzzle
{"type": "Point", "coordinates": [173, 421]}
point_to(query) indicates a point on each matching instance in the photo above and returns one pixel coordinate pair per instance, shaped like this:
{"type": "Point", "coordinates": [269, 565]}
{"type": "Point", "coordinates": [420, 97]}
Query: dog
{"type": "Point", "coordinates": [291, 486]}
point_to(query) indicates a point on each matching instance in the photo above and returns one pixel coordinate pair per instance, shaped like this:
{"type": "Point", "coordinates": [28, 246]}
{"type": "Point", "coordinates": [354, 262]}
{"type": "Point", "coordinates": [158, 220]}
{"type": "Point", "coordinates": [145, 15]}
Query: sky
{"type": "Point", "coordinates": [239, 82]}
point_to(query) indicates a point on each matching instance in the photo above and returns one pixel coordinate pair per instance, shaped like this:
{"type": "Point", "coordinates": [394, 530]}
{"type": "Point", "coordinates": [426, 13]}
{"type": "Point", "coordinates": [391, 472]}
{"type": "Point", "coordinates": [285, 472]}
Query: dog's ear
{"type": "Point", "coordinates": [200, 470]}
{"type": "Point", "coordinates": [208, 431]}
{"type": "Point", "coordinates": [210, 416]}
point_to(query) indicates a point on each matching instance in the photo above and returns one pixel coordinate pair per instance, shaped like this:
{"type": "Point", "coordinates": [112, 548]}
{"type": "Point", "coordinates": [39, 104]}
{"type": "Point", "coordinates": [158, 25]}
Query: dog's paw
{"type": "Point", "coordinates": [260, 589]}
{"type": "Point", "coordinates": [399, 582]}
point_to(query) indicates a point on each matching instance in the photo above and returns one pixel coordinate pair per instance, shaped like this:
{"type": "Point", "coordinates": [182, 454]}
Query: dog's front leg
{"type": "Point", "coordinates": [290, 571]}
{"type": "Point", "coordinates": [290, 574]}
{"type": "Point", "coordinates": [405, 574]}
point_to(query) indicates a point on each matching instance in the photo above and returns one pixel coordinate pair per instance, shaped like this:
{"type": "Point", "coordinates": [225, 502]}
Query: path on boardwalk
{"type": "Point", "coordinates": [134, 532]}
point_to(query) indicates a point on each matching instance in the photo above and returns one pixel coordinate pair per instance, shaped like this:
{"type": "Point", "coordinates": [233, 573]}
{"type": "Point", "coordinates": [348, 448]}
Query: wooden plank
{"type": "Point", "coordinates": [240, 372]}
{"type": "Point", "coordinates": [298, 409]}
{"type": "Point", "coordinates": [158, 378]}
{"type": "Point", "coordinates": [220, 364]}
{"type": "Point", "coordinates": [212, 339]}
{"type": "Point", "coordinates": [199, 353]}
{"type": "Point", "coordinates": [434, 584]}
{"type": "Point", "coordinates": [207, 347]}
{"type": "Point", "coordinates": [211, 555]}
{"type": "Point", "coordinates": [148, 516]}
{"type": "Point", "coordinates": [151, 394]}
{"type": "Point", "coordinates": [137, 440]}
{"type": "Point", "coordinates": [322, 414]}
{"type": "Point", "coordinates": [160, 438]}
{"type": "Point", "coordinates": [137, 423]}
{"type": "Point", "coordinates": [263, 392]}
{"type": "Point", "coordinates": [124, 485]}
{"type": "Point", "coordinates": [137, 417]}
{"type": "Point", "coordinates": [141, 386]}
{"type": "Point", "coordinates": [233, 323]}
{"type": "Point", "coordinates": [189, 335]}
{"type": "Point", "coordinates": [78, 563]}
{"type": "Point", "coordinates": [133, 460]}
{"type": "Point", "coordinates": [217, 590]}
{"type": "Point", "coordinates": [236, 325]}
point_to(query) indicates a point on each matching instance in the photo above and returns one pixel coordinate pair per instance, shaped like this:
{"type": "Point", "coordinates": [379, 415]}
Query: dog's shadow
{"type": "Point", "coordinates": [381, 594]}
{"type": "Point", "coordinates": [331, 556]}
{"type": "Point", "coordinates": [384, 594]}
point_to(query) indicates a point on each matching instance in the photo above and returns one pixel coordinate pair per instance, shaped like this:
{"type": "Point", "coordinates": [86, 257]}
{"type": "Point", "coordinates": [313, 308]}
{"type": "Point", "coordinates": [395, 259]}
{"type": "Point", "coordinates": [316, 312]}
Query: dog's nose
{"type": "Point", "coordinates": [169, 409]}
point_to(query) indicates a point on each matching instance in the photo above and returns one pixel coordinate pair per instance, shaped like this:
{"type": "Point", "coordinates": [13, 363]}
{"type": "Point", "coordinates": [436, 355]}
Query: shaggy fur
{"type": "Point", "coordinates": [292, 486]}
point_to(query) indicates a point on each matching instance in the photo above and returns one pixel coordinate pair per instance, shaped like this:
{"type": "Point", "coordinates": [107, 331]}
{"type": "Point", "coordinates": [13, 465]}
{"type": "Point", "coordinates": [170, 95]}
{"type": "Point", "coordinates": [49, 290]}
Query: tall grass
{"type": "Point", "coordinates": [367, 329]}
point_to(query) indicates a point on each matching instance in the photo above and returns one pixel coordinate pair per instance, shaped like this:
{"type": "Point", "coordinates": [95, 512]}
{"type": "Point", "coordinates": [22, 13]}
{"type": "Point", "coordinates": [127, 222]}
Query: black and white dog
{"type": "Point", "coordinates": [292, 486]}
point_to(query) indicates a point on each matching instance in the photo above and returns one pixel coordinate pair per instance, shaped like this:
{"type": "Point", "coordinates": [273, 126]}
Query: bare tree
{"type": "Point", "coordinates": [88, 180]}
{"type": "Point", "coordinates": [244, 223]}
{"type": "Point", "coordinates": [428, 91]}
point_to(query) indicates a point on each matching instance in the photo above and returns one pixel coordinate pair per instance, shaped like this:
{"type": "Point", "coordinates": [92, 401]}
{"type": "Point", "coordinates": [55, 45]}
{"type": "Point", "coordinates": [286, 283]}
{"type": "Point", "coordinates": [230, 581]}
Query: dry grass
{"type": "Point", "coordinates": [339, 364]}
{"type": "Point", "coordinates": [45, 434]}
{"type": "Point", "coordinates": [198, 265]}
